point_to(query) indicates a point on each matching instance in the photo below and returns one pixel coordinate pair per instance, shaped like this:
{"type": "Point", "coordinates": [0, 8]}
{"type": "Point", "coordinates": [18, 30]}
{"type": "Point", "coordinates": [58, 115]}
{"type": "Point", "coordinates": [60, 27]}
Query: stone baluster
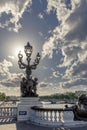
{"type": "Point", "coordinates": [47, 115]}
{"type": "Point", "coordinates": [8, 112]}
{"type": "Point", "coordinates": [51, 116]}
{"type": "Point", "coordinates": [14, 112]}
{"type": "Point", "coordinates": [11, 112]}
{"type": "Point", "coordinates": [43, 117]}
{"type": "Point", "coordinates": [61, 116]}
{"type": "Point", "coordinates": [55, 116]}
{"type": "Point", "coordinates": [1, 112]}
{"type": "Point", "coordinates": [40, 115]}
{"type": "Point", "coordinates": [5, 111]}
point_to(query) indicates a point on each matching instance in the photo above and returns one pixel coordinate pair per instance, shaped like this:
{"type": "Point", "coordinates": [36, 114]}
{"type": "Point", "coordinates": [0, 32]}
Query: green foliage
{"type": "Point", "coordinates": [7, 98]}
{"type": "Point", "coordinates": [63, 96]}
{"type": "Point", "coordinates": [2, 96]}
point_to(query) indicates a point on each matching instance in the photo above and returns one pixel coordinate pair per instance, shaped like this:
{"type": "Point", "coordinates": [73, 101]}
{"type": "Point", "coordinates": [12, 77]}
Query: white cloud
{"type": "Point", "coordinates": [76, 82]}
{"type": "Point", "coordinates": [57, 74]}
{"type": "Point", "coordinates": [40, 15]}
{"type": "Point", "coordinates": [11, 57]}
{"type": "Point", "coordinates": [78, 69]}
{"type": "Point", "coordinates": [40, 33]}
{"type": "Point", "coordinates": [62, 14]}
{"type": "Point", "coordinates": [71, 30]}
{"type": "Point", "coordinates": [46, 88]}
{"type": "Point", "coordinates": [4, 67]}
{"type": "Point", "coordinates": [14, 9]}
{"type": "Point", "coordinates": [10, 91]}
{"type": "Point", "coordinates": [73, 34]}
{"type": "Point", "coordinates": [45, 68]}
{"type": "Point", "coordinates": [44, 84]}
{"type": "Point", "coordinates": [9, 79]}
{"type": "Point", "coordinates": [48, 47]}
{"type": "Point", "coordinates": [13, 80]}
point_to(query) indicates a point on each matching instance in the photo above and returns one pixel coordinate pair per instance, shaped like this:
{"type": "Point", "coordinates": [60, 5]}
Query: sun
{"type": "Point", "coordinates": [16, 50]}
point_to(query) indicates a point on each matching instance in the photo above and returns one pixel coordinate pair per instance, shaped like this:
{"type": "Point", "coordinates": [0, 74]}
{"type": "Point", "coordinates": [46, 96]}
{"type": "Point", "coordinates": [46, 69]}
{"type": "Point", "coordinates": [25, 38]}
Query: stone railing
{"type": "Point", "coordinates": [8, 112]}
{"type": "Point", "coordinates": [51, 116]}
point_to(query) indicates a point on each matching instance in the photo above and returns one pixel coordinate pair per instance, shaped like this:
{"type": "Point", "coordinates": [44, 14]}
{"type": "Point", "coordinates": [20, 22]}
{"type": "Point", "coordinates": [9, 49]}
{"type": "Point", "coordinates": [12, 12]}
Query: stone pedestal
{"type": "Point", "coordinates": [24, 107]}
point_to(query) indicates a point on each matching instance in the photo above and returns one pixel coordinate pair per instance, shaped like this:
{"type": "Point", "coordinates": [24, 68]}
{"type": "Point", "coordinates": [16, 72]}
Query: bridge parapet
{"type": "Point", "coordinates": [54, 117]}
{"type": "Point", "coordinates": [8, 112]}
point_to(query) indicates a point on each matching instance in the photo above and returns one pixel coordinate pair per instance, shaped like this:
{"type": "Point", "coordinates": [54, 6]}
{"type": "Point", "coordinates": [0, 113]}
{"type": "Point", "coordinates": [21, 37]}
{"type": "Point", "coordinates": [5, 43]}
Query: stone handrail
{"type": "Point", "coordinates": [51, 109]}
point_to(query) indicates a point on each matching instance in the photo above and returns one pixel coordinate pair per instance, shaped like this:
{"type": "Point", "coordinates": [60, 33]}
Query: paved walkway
{"type": "Point", "coordinates": [21, 126]}
{"type": "Point", "coordinates": [13, 125]}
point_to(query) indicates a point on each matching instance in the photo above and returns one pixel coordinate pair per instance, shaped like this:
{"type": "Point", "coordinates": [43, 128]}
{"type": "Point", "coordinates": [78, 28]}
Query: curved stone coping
{"type": "Point", "coordinates": [51, 109]}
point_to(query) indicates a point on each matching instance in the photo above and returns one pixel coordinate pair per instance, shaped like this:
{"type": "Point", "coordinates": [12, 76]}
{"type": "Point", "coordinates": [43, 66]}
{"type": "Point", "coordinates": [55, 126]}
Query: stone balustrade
{"type": "Point", "coordinates": [51, 116]}
{"type": "Point", "coordinates": [8, 112]}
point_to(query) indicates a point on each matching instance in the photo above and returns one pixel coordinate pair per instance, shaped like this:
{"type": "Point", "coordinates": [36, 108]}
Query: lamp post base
{"type": "Point", "coordinates": [24, 107]}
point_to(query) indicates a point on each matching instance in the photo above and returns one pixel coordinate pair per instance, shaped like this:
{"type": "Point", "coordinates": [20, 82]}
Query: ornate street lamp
{"type": "Point", "coordinates": [28, 85]}
{"type": "Point", "coordinates": [28, 49]}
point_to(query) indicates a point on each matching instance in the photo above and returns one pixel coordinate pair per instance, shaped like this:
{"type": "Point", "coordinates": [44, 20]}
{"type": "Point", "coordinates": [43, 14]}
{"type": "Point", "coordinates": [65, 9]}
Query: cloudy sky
{"type": "Point", "coordinates": [55, 28]}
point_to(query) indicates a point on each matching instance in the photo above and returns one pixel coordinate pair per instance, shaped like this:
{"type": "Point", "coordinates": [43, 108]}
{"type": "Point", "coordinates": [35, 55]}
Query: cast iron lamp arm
{"type": "Point", "coordinates": [36, 62]}
{"type": "Point", "coordinates": [21, 65]}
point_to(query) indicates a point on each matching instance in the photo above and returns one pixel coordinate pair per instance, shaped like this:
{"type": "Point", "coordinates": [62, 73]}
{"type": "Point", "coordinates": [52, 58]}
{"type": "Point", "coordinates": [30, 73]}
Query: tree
{"type": "Point", "coordinates": [2, 96]}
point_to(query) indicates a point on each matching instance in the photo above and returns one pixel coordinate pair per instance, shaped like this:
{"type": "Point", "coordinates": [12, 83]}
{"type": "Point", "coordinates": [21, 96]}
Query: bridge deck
{"type": "Point", "coordinates": [14, 125]}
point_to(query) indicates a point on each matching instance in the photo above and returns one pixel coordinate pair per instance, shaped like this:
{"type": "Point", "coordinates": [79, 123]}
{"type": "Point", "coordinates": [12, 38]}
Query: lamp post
{"type": "Point", "coordinates": [28, 85]}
